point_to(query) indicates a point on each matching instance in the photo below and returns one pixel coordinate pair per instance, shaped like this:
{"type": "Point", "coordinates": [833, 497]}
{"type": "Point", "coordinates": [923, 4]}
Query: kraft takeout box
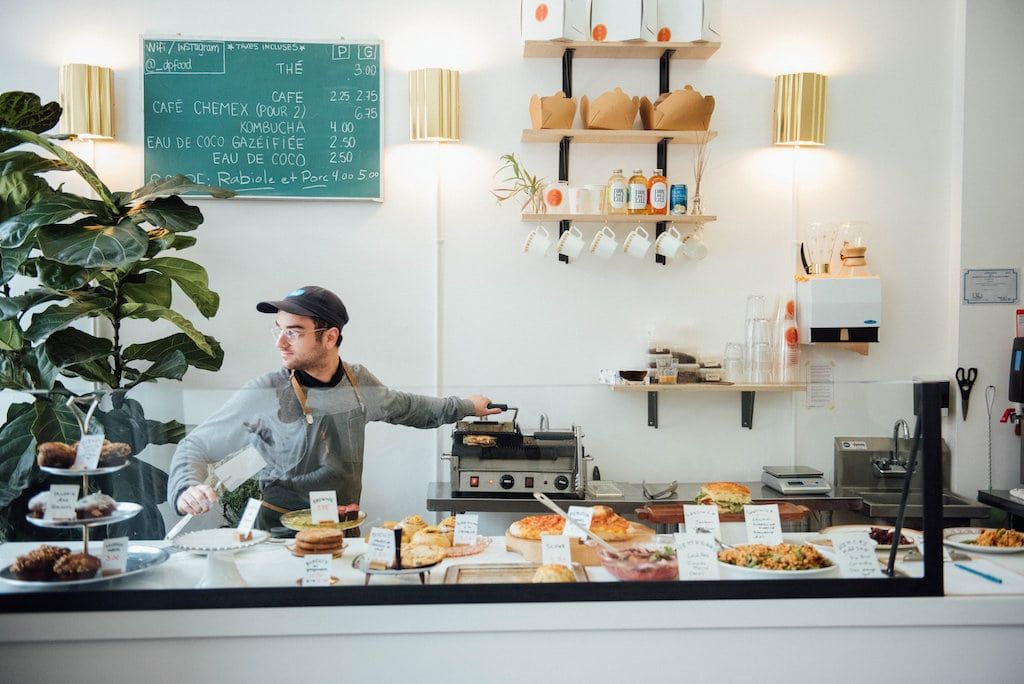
{"type": "Point", "coordinates": [555, 19]}
{"type": "Point", "coordinates": [615, 20]}
{"type": "Point", "coordinates": [613, 111]}
{"type": "Point", "coordinates": [689, 20]}
{"type": "Point", "coordinates": [680, 110]}
{"type": "Point", "coordinates": [553, 111]}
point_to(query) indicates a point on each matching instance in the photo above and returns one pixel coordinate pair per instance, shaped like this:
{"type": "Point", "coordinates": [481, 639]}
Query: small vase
{"type": "Point", "coordinates": [695, 209]}
{"type": "Point", "coordinates": [535, 205]}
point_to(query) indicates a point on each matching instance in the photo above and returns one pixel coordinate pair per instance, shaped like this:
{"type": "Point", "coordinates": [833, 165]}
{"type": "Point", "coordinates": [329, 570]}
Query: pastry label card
{"type": "Point", "coordinates": [697, 517]}
{"type": "Point", "coordinates": [240, 467]}
{"type": "Point", "coordinates": [318, 570]}
{"type": "Point", "coordinates": [698, 555]}
{"type": "Point", "coordinates": [466, 527]}
{"type": "Point", "coordinates": [554, 550]}
{"type": "Point", "coordinates": [248, 519]}
{"type": "Point", "coordinates": [763, 524]}
{"type": "Point", "coordinates": [380, 552]}
{"type": "Point", "coordinates": [87, 455]}
{"type": "Point", "coordinates": [114, 560]}
{"type": "Point", "coordinates": [323, 506]}
{"type": "Point", "coordinates": [856, 551]}
{"type": "Point", "coordinates": [61, 504]}
{"type": "Point", "coordinates": [579, 521]}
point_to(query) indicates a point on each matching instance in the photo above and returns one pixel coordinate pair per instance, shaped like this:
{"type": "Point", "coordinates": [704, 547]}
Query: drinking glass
{"type": "Point", "coordinates": [758, 332]}
{"type": "Point", "coordinates": [732, 362]}
{"type": "Point", "coordinates": [761, 364]}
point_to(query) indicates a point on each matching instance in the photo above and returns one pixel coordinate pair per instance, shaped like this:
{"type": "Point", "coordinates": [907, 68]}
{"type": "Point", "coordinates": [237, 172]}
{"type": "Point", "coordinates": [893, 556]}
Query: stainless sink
{"type": "Point", "coordinates": [884, 503]}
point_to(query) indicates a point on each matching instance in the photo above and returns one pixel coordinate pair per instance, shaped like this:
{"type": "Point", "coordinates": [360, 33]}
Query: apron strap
{"type": "Point", "coordinates": [300, 392]}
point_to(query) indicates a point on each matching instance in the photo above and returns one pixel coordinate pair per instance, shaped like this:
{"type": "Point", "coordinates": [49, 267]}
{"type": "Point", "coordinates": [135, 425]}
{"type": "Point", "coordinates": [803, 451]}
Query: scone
{"type": "Point", "coordinates": [432, 536]}
{"type": "Point", "coordinates": [95, 506]}
{"type": "Point", "coordinates": [37, 564]}
{"type": "Point", "coordinates": [553, 572]}
{"type": "Point", "coordinates": [76, 566]}
{"type": "Point", "coordinates": [420, 556]}
{"type": "Point", "coordinates": [55, 455]}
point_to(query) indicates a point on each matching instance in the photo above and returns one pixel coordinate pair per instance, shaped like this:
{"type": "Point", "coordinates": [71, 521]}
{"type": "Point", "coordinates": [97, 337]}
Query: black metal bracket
{"type": "Point", "coordinates": [563, 173]}
{"type": "Point", "coordinates": [567, 71]}
{"type": "Point", "coordinates": [662, 164]}
{"type": "Point", "coordinates": [747, 410]}
{"type": "Point", "coordinates": [663, 71]}
{"type": "Point", "coordinates": [652, 409]}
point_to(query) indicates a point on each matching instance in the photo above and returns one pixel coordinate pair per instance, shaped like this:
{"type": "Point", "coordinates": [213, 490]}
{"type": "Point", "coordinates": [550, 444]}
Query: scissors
{"type": "Point", "coordinates": [965, 379]}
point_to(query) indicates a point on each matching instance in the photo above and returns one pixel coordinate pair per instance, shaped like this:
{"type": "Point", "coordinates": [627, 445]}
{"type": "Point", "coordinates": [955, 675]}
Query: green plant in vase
{"type": "Point", "coordinates": [83, 258]}
{"type": "Point", "coordinates": [521, 186]}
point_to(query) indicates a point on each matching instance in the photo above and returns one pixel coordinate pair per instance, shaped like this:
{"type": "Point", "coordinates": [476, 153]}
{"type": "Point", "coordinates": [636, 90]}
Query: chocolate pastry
{"type": "Point", "coordinates": [55, 455]}
{"type": "Point", "coordinates": [37, 504]}
{"type": "Point", "coordinates": [37, 564]}
{"type": "Point", "coordinates": [76, 566]}
{"type": "Point", "coordinates": [114, 454]}
{"type": "Point", "coordinates": [95, 506]}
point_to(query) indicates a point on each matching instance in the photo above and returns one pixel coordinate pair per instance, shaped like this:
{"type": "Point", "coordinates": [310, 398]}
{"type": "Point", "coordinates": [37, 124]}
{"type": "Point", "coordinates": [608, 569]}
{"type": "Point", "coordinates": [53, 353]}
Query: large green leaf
{"type": "Point", "coordinates": [73, 162]}
{"type": "Point", "coordinates": [10, 336]}
{"type": "Point", "coordinates": [57, 318]}
{"type": "Point", "coordinates": [159, 240]}
{"type": "Point", "coordinates": [17, 191]}
{"type": "Point", "coordinates": [172, 366]}
{"type": "Point", "coordinates": [169, 213]}
{"type": "Point", "coordinates": [25, 110]}
{"type": "Point", "coordinates": [41, 368]}
{"type": "Point", "coordinates": [11, 259]}
{"type": "Point", "coordinates": [54, 422]}
{"type": "Point", "coordinates": [12, 373]}
{"type": "Point", "coordinates": [175, 185]}
{"type": "Point", "coordinates": [191, 278]}
{"type": "Point", "coordinates": [89, 244]}
{"type": "Point", "coordinates": [152, 313]}
{"type": "Point", "coordinates": [94, 371]}
{"type": "Point", "coordinates": [14, 307]}
{"type": "Point", "coordinates": [48, 209]}
{"type": "Point", "coordinates": [179, 342]}
{"type": "Point", "coordinates": [58, 276]}
{"type": "Point", "coordinates": [126, 424]}
{"type": "Point", "coordinates": [28, 162]}
{"type": "Point", "coordinates": [155, 288]}
{"type": "Point", "coordinates": [17, 452]}
{"type": "Point", "coordinates": [70, 346]}
{"type": "Point", "coordinates": [170, 432]}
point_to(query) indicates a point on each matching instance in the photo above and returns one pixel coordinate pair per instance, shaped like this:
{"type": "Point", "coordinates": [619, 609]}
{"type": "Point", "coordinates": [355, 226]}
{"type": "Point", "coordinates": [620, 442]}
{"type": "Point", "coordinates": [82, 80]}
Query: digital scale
{"type": "Point", "coordinates": [795, 480]}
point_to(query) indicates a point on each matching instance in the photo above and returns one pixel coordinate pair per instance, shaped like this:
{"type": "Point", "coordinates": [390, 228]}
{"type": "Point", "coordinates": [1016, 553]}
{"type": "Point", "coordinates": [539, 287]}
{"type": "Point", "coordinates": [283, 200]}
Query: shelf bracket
{"type": "Point", "coordinates": [563, 172]}
{"type": "Point", "coordinates": [652, 410]}
{"type": "Point", "coordinates": [747, 409]}
{"type": "Point", "coordinates": [663, 70]}
{"type": "Point", "coordinates": [662, 164]}
{"type": "Point", "coordinates": [567, 71]}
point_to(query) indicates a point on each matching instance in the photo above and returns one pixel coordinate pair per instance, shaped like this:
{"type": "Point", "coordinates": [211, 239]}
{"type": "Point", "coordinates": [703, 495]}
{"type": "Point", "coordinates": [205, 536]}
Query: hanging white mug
{"type": "Point", "coordinates": [579, 200]}
{"type": "Point", "coordinates": [637, 243]}
{"type": "Point", "coordinates": [538, 241]}
{"type": "Point", "coordinates": [571, 244]}
{"type": "Point", "coordinates": [668, 243]}
{"type": "Point", "coordinates": [604, 244]}
{"type": "Point", "coordinates": [694, 247]}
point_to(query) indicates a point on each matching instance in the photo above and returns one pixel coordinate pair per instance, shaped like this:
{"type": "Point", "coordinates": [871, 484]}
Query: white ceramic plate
{"type": "Point", "coordinates": [729, 570]}
{"type": "Point", "coordinates": [221, 539]}
{"type": "Point", "coordinates": [125, 511]}
{"type": "Point", "coordinates": [823, 540]}
{"type": "Point", "coordinates": [963, 538]}
{"type": "Point", "coordinates": [140, 559]}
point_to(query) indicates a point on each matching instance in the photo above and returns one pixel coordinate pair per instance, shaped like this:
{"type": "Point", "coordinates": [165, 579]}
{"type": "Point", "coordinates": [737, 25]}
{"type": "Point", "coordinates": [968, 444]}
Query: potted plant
{"type": "Point", "coordinates": [521, 185]}
{"type": "Point", "coordinates": [102, 258]}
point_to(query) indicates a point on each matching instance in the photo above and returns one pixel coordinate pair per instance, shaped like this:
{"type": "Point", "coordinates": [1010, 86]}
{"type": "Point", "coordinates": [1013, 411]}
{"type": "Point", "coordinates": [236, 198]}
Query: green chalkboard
{"type": "Point", "coordinates": [265, 118]}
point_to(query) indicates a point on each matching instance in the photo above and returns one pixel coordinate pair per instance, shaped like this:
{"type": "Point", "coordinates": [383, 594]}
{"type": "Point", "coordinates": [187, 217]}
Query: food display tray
{"type": "Point", "coordinates": [70, 472]}
{"type": "Point", "coordinates": [580, 552]}
{"type": "Point", "coordinates": [501, 573]}
{"type": "Point", "coordinates": [124, 511]}
{"type": "Point", "coordinates": [140, 559]}
{"type": "Point", "coordinates": [303, 520]}
{"type": "Point", "coordinates": [362, 564]}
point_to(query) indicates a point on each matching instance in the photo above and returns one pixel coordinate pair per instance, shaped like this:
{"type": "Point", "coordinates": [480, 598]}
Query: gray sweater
{"type": "Point", "coordinates": [301, 457]}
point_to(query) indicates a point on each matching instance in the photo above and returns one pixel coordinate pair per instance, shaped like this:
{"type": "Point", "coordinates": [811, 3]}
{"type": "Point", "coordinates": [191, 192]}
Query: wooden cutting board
{"type": "Point", "coordinates": [672, 514]}
{"type": "Point", "coordinates": [581, 553]}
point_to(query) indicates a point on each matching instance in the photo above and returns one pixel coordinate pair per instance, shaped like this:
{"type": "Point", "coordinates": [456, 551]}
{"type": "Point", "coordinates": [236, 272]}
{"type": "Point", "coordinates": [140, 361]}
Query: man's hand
{"type": "Point", "coordinates": [196, 500]}
{"type": "Point", "coordinates": [480, 403]}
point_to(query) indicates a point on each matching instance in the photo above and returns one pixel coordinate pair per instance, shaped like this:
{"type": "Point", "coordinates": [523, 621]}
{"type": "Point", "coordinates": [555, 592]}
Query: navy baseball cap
{"type": "Point", "coordinates": [312, 301]}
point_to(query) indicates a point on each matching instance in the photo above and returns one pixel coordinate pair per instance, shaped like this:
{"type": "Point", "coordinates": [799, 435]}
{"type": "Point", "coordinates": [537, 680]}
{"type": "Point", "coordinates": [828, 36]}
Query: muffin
{"type": "Point", "coordinates": [37, 504]}
{"type": "Point", "coordinates": [76, 566]}
{"type": "Point", "coordinates": [114, 454]}
{"type": "Point", "coordinates": [37, 564]}
{"type": "Point", "coordinates": [95, 506]}
{"type": "Point", "coordinates": [55, 455]}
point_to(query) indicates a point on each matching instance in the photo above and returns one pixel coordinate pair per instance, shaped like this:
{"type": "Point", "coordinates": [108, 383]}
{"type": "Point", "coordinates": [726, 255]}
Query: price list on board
{"type": "Point", "coordinates": [266, 119]}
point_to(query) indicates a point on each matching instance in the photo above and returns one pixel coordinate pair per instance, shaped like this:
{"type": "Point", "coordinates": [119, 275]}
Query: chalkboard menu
{"type": "Point", "coordinates": [267, 119]}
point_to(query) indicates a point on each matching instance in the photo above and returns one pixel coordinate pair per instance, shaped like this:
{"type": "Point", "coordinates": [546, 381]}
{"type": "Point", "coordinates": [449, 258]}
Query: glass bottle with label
{"type": "Point", "coordinates": [618, 193]}
{"type": "Point", "coordinates": [657, 193]}
{"type": "Point", "coordinates": [638, 192]}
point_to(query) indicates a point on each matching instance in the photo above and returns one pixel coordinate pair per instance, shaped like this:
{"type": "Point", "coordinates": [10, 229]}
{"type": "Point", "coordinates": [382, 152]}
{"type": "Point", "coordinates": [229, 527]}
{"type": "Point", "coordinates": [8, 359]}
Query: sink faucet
{"type": "Point", "coordinates": [892, 465]}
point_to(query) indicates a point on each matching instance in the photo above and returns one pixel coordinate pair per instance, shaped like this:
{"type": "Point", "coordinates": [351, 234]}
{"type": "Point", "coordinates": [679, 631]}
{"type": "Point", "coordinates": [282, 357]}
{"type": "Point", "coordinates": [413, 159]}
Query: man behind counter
{"type": "Point", "coordinates": [308, 419]}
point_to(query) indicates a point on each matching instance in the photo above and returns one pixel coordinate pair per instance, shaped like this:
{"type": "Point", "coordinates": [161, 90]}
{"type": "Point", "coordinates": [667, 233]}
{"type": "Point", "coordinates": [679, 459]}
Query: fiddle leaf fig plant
{"type": "Point", "coordinates": [67, 260]}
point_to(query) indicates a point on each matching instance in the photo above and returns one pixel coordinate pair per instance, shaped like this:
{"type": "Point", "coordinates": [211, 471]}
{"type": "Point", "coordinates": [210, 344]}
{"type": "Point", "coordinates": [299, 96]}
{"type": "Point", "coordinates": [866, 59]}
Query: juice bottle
{"type": "Point", "coordinates": [657, 193]}
{"type": "Point", "coordinates": [618, 193]}
{"type": "Point", "coordinates": [638, 192]}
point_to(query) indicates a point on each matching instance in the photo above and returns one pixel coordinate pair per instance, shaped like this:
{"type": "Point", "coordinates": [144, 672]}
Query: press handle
{"type": "Point", "coordinates": [503, 407]}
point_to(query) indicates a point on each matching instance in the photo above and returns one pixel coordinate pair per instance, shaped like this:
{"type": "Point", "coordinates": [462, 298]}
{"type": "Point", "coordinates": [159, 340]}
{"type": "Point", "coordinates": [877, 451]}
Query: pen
{"type": "Point", "coordinates": [979, 573]}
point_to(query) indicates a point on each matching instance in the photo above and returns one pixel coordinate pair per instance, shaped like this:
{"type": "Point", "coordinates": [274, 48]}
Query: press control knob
{"type": "Point", "coordinates": [561, 482]}
{"type": "Point", "coordinates": [507, 481]}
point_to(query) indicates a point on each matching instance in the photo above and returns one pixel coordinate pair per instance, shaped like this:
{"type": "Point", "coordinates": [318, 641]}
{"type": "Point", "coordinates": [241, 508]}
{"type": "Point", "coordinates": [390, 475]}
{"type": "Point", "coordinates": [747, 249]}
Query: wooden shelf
{"type": "Point", "coordinates": [588, 49]}
{"type": "Point", "coordinates": [631, 137]}
{"type": "Point", "coordinates": [747, 394]}
{"type": "Point", "coordinates": [620, 218]}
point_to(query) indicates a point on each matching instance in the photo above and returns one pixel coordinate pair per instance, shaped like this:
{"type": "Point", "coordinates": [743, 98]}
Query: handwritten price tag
{"type": "Point", "coordinates": [380, 553]}
{"type": "Point", "coordinates": [61, 504]}
{"type": "Point", "coordinates": [323, 506]}
{"type": "Point", "coordinates": [554, 550]}
{"type": "Point", "coordinates": [245, 524]}
{"type": "Point", "coordinates": [856, 551]}
{"type": "Point", "coordinates": [697, 517]}
{"type": "Point", "coordinates": [466, 527]}
{"type": "Point", "coordinates": [580, 518]}
{"type": "Point", "coordinates": [87, 455]}
{"type": "Point", "coordinates": [763, 524]}
{"type": "Point", "coordinates": [698, 556]}
{"type": "Point", "coordinates": [114, 560]}
{"type": "Point", "coordinates": [318, 570]}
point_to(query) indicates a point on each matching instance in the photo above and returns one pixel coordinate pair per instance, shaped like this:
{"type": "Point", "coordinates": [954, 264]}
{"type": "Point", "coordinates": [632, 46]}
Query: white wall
{"type": "Point", "coordinates": [535, 332]}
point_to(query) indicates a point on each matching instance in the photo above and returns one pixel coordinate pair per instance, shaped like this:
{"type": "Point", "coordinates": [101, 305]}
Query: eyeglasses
{"type": "Point", "coordinates": [666, 493]}
{"type": "Point", "coordinates": [291, 334]}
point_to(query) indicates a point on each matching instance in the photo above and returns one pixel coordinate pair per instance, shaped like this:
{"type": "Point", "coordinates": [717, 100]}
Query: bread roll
{"type": "Point", "coordinates": [553, 572]}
